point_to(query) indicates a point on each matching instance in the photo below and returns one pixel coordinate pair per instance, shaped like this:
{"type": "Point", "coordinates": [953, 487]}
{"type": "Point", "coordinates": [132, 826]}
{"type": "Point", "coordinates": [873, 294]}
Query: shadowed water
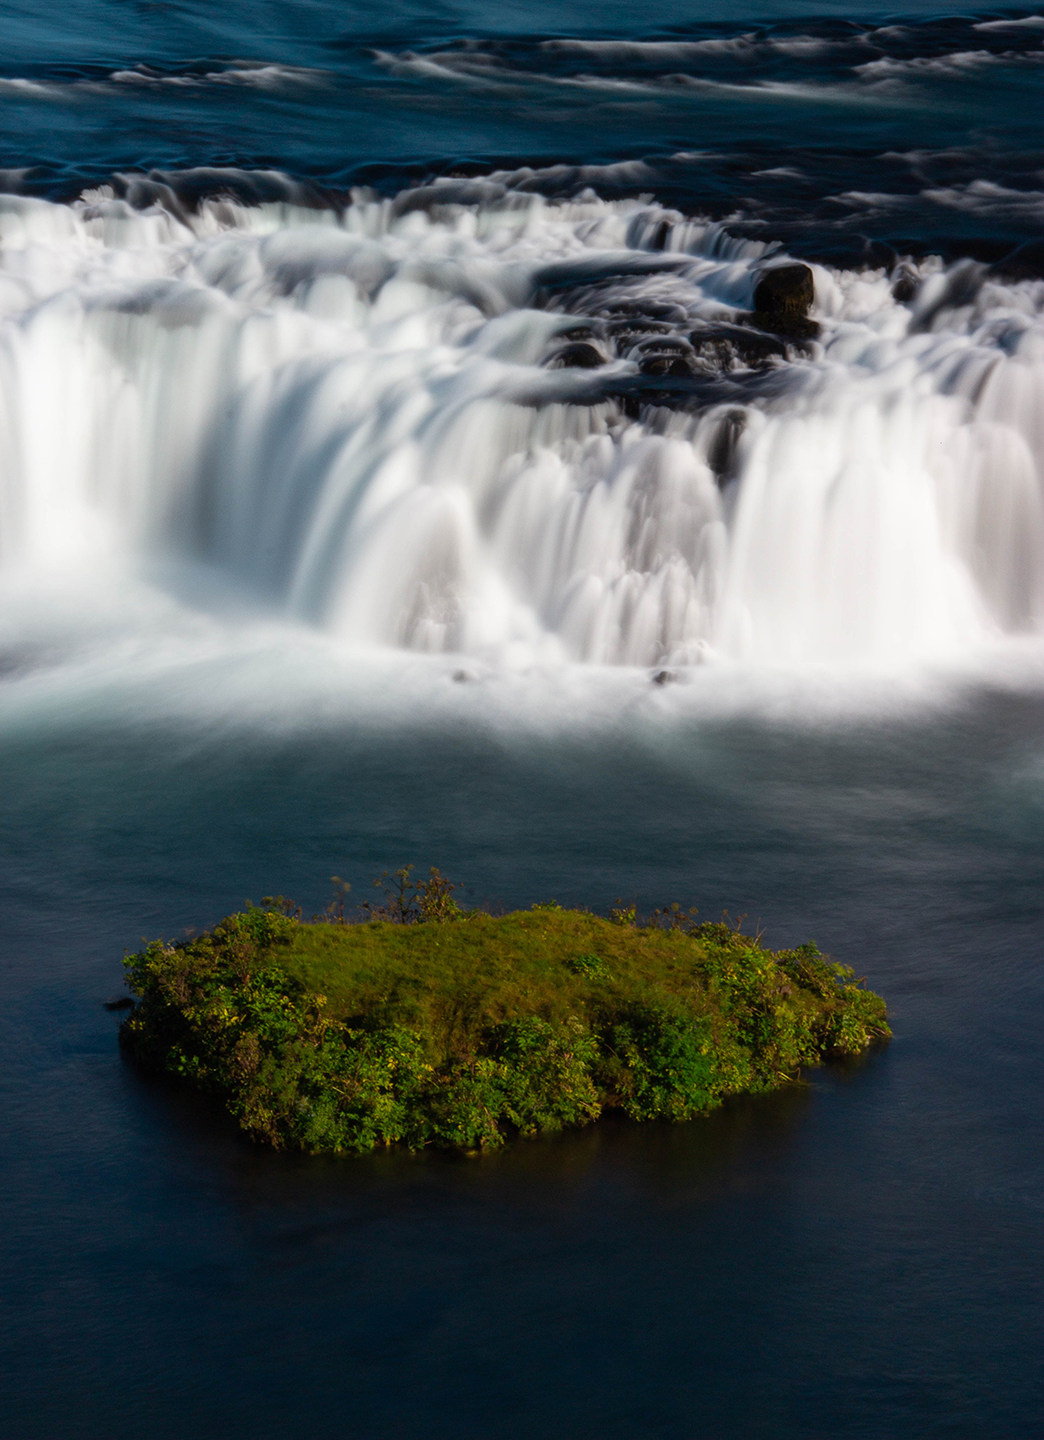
{"type": "Point", "coordinates": [861, 1256]}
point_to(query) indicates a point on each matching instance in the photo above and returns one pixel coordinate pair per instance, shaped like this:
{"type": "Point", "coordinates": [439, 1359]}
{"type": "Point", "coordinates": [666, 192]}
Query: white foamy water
{"type": "Point", "coordinates": [352, 418]}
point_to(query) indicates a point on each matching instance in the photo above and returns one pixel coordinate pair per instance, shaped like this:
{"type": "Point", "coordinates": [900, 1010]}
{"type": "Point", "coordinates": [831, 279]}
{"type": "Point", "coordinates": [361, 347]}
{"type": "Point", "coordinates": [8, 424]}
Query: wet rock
{"type": "Point", "coordinates": [905, 284]}
{"type": "Point", "coordinates": [664, 677]}
{"type": "Point", "coordinates": [577, 355]}
{"type": "Point", "coordinates": [644, 312]}
{"type": "Point", "coordinates": [582, 330]}
{"type": "Point", "coordinates": [123, 1003]}
{"type": "Point", "coordinates": [658, 236]}
{"type": "Point", "coordinates": [729, 347]}
{"type": "Point", "coordinates": [785, 290]}
{"type": "Point", "coordinates": [626, 330]}
{"type": "Point", "coordinates": [721, 453]}
{"type": "Point", "coordinates": [575, 284]}
{"type": "Point", "coordinates": [667, 364]}
{"type": "Point", "coordinates": [664, 355]}
{"type": "Point", "coordinates": [783, 297]}
{"type": "Point", "coordinates": [685, 363]}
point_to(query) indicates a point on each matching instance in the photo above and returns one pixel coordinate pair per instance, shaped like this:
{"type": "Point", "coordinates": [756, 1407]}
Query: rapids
{"type": "Point", "coordinates": [357, 413]}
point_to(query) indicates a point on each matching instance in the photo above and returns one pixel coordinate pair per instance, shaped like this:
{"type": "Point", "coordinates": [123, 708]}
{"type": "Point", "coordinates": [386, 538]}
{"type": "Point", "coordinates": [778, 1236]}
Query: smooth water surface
{"type": "Point", "coordinates": [862, 1256]}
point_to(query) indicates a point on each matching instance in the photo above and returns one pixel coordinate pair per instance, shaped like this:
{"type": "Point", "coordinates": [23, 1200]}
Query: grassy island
{"type": "Point", "coordinates": [460, 1029]}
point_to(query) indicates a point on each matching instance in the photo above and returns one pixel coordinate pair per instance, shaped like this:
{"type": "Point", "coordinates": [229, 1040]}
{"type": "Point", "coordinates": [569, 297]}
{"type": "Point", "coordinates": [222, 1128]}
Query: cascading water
{"type": "Point", "coordinates": [430, 423]}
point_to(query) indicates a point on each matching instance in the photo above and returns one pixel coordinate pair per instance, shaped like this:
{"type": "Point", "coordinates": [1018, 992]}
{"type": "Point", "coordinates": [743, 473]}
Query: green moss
{"type": "Point", "coordinates": [462, 1032]}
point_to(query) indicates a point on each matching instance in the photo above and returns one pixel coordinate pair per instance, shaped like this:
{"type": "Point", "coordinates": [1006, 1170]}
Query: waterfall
{"type": "Point", "coordinates": [375, 419]}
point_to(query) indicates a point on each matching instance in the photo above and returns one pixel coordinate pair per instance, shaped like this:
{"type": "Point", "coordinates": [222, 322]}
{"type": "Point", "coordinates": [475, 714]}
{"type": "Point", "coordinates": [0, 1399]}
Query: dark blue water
{"type": "Point", "coordinates": [860, 1257]}
{"type": "Point", "coordinates": [843, 126]}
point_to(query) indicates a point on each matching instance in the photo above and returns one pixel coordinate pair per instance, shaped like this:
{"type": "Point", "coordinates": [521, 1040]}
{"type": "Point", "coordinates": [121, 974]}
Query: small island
{"type": "Point", "coordinates": [421, 1024]}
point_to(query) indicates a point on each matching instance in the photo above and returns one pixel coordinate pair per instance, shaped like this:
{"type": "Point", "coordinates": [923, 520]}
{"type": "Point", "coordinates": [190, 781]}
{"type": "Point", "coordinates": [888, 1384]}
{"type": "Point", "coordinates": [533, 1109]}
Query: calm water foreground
{"type": "Point", "coordinates": [861, 1256]}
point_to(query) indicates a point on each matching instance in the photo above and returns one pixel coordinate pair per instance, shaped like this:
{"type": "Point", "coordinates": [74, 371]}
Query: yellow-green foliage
{"type": "Point", "coordinates": [464, 1031]}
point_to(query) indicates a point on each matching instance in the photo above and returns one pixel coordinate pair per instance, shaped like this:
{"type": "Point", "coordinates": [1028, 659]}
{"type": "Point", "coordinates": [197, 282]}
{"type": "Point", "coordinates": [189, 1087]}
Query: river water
{"type": "Point", "coordinates": [389, 472]}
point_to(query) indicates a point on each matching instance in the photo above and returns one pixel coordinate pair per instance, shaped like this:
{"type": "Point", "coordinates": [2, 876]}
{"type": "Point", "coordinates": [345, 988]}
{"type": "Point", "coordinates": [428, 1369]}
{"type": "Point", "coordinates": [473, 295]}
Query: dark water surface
{"type": "Point", "coordinates": [841, 125]}
{"type": "Point", "coordinates": [859, 1257]}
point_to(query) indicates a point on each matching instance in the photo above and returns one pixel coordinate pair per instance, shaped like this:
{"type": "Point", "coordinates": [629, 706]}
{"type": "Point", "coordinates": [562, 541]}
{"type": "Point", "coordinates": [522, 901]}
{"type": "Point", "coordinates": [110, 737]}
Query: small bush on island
{"type": "Point", "coordinates": [430, 1025]}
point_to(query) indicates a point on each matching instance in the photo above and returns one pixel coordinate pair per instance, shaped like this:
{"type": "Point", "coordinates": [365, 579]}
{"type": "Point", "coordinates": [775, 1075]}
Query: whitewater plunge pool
{"type": "Point", "coordinates": [380, 414]}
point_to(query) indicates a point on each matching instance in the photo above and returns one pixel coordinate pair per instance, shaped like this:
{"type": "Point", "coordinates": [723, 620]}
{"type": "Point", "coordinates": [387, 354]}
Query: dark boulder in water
{"type": "Point", "coordinates": [785, 290]}
{"type": "Point", "coordinates": [782, 299]}
{"type": "Point", "coordinates": [905, 284]}
{"type": "Point", "coordinates": [666, 355]}
{"type": "Point", "coordinates": [643, 311]}
{"type": "Point", "coordinates": [577, 355]}
{"type": "Point", "coordinates": [657, 237]}
{"type": "Point", "coordinates": [721, 454]}
{"type": "Point", "coordinates": [626, 330]}
{"type": "Point", "coordinates": [585, 329]}
{"type": "Point", "coordinates": [730, 347]}
{"type": "Point", "coordinates": [685, 361]}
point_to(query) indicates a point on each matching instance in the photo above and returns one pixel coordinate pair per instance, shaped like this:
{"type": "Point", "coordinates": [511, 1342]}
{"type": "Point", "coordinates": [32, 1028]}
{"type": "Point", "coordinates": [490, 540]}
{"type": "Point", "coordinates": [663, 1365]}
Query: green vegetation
{"type": "Point", "coordinates": [429, 1025]}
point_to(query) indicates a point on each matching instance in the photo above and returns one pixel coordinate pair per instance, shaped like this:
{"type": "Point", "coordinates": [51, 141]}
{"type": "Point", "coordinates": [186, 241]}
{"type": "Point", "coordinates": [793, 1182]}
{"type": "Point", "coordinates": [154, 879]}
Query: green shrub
{"type": "Point", "coordinates": [590, 965]}
{"type": "Point", "coordinates": [411, 1030]}
{"type": "Point", "coordinates": [660, 1061]}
